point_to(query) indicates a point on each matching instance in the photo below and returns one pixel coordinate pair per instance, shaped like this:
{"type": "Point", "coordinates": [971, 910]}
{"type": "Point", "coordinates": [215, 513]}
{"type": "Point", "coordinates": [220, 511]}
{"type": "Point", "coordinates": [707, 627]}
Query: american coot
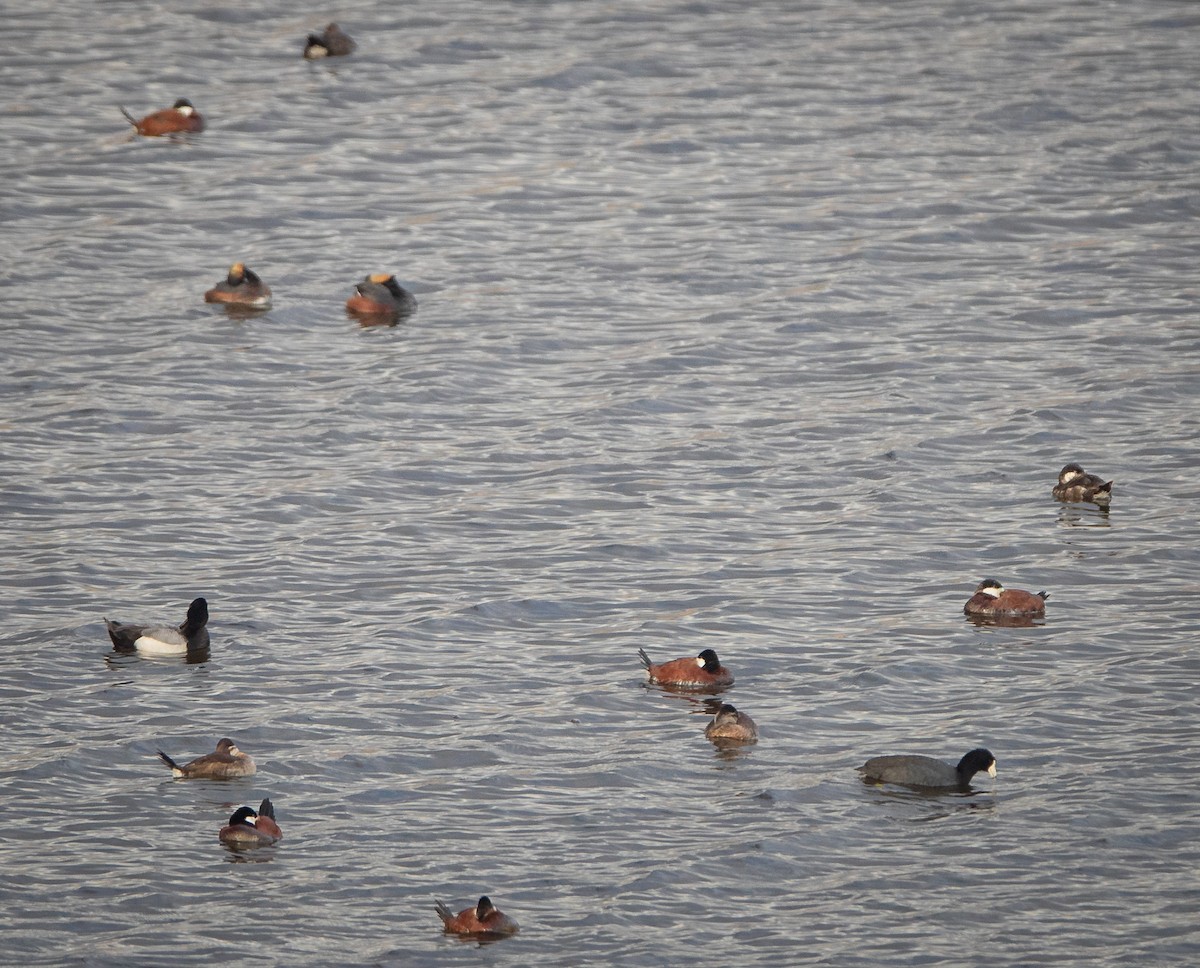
{"type": "Point", "coordinates": [226, 763]}
{"type": "Point", "coordinates": [180, 117]}
{"type": "Point", "coordinates": [704, 671]}
{"type": "Point", "coordinates": [251, 828]}
{"type": "Point", "coordinates": [240, 287]}
{"type": "Point", "coordinates": [164, 639]}
{"type": "Point", "coordinates": [925, 771]}
{"type": "Point", "coordinates": [731, 726]}
{"type": "Point", "coordinates": [992, 598]}
{"type": "Point", "coordinates": [1075, 484]}
{"type": "Point", "coordinates": [484, 918]}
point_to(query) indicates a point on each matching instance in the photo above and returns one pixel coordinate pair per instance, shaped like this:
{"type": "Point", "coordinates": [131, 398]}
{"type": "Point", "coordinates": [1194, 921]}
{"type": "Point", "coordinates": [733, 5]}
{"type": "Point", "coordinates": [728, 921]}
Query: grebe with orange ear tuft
{"type": "Point", "coordinates": [241, 287]}
{"type": "Point", "coordinates": [181, 117]}
{"type": "Point", "coordinates": [380, 295]}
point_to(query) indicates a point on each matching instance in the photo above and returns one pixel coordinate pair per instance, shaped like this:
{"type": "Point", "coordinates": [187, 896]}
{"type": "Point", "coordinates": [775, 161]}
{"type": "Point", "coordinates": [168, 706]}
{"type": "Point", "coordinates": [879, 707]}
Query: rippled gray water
{"type": "Point", "coordinates": [755, 326]}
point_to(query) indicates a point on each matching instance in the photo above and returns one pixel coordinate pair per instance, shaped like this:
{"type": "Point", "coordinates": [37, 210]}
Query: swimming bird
{"type": "Point", "coordinates": [704, 671]}
{"type": "Point", "coordinates": [730, 725]}
{"type": "Point", "coordinates": [1075, 484]}
{"type": "Point", "coordinates": [251, 828]}
{"type": "Point", "coordinates": [993, 599]}
{"type": "Point", "coordinates": [380, 295]}
{"type": "Point", "coordinates": [228, 762]}
{"type": "Point", "coordinates": [927, 772]}
{"type": "Point", "coordinates": [181, 117]}
{"type": "Point", "coordinates": [484, 918]}
{"type": "Point", "coordinates": [164, 639]}
{"type": "Point", "coordinates": [240, 287]}
{"type": "Point", "coordinates": [331, 42]}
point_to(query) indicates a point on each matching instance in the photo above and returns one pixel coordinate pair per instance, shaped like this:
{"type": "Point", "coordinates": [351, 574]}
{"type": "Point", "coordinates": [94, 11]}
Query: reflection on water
{"type": "Point", "coordinates": [249, 853]}
{"type": "Point", "coordinates": [481, 940]}
{"type": "Point", "coordinates": [924, 805]}
{"type": "Point", "coordinates": [944, 810]}
{"type": "Point", "coordinates": [118, 658]}
{"type": "Point", "coordinates": [1007, 621]}
{"type": "Point", "coordinates": [1084, 516]}
{"type": "Point", "coordinates": [728, 750]}
{"type": "Point", "coordinates": [241, 314]}
{"type": "Point", "coordinates": [369, 320]}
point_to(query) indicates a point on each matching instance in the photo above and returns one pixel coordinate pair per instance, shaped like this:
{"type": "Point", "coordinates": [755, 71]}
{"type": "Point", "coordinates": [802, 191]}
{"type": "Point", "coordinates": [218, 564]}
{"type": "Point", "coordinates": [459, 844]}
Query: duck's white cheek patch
{"type": "Point", "coordinates": [992, 771]}
{"type": "Point", "coordinates": [154, 646]}
{"type": "Point", "coordinates": [699, 663]}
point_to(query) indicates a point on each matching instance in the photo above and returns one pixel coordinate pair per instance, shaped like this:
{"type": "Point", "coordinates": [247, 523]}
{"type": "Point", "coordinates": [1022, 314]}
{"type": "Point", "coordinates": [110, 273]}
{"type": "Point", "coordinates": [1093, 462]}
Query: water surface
{"type": "Point", "coordinates": [762, 327]}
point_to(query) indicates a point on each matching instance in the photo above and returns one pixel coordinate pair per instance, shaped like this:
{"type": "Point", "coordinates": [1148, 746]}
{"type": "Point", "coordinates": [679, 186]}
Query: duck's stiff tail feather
{"type": "Point", "coordinates": [443, 912]}
{"type": "Point", "coordinates": [121, 636]}
{"type": "Point", "coordinates": [128, 117]}
{"type": "Point", "coordinates": [645, 658]}
{"type": "Point", "coordinates": [170, 762]}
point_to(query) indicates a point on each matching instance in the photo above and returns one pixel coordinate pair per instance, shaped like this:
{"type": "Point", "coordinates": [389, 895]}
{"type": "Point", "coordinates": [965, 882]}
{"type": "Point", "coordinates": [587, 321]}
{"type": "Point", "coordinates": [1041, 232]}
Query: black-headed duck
{"type": "Point", "coordinates": [251, 828]}
{"type": "Point", "coordinates": [993, 599]}
{"type": "Point", "coordinates": [192, 635]}
{"type": "Point", "coordinates": [703, 672]}
{"type": "Point", "coordinates": [177, 119]}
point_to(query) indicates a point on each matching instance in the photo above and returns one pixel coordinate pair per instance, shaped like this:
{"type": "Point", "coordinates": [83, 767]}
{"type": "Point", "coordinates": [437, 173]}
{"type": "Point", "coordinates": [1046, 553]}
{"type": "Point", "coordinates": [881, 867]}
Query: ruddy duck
{"type": "Point", "coordinates": [226, 763]}
{"type": "Point", "coordinates": [241, 287]}
{"type": "Point", "coordinates": [484, 918]}
{"type": "Point", "coordinates": [331, 43]}
{"type": "Point", "coordinates": [1075, 484]}
{"type": "Point", "coordinates": [381, 295]}
{"type": "Point", "coordinates": [251, 828]}
{"type": "Point", "coordinates": [731, 726]}
{"type": "Point", "coordinates": [927, 772]}
{"type": "Point", "coordinates": [992, 598]}
{"type": "Point", "coordinates": [164, 639]}
{"type": "Point", "coordinates": [182, 117]}
{"type": "Point", "coordinates": [704, 671]}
